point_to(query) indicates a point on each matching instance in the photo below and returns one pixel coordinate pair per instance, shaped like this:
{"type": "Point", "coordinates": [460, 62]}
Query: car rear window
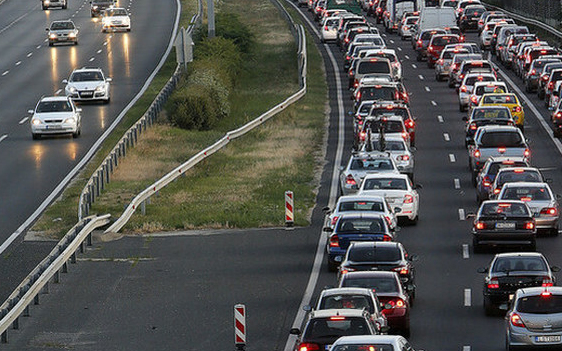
{"type": "Point", "coordinates": [472, 80]}
{"type": "Point", "coordinates": [335, 327]}
{"type": "Point", "coordinates": [359, 164]}
{"type": "Point", "coordinates": [496, 166]}
{"type": "Point", "coordinates": [539, 304]}
{"type": "Point", "coordinates": [374, 254]}
{"type": "Point", "coordinates": [526, 193]}
{"type": "Point", "coordinates": [385, 184]}
{"type": "Point", "coordinates": [389, 126]}
{"type": "Point", "coordinates": [360, 205]}
{"type": "Point", "coordinates": [502, 139]}
{"type": "Point", "coordinates": [513, 176]}
{"type": "Point", "coordinates": [379, 284]}
{"type": "Point", "coordinates": [389, 145]}
{"type": "Point", "coordinates": [361, 225]}
{"type": "Point", "coordinates": [365, 108]}
{"type": "Point", "coordinates": [428, 35]}
{"type": "Point", "coordinates": [521, 263]}
{"type": "Point", "coordinates": [500, 99]}
{"type": "Point", "coordinates": [442, 41]}
{"type": "Point", "coordinates": [412, 20]}
{"type": "Point", "coordinates": [479, 64]}
{"type": "Point", "coordinates": [505, 208]}
{"type": "Point", "coordinates": [449, 54]}
{"type": "Point", "coordinates": [346, 301]}
{"type": "Point", "coordinates": [379, 93]}
{"type": "Point", "coordinates": [489, 113]}
{"type": "Point", "coordinates": [487, 89]}
{"type": "Point", "coordinates": [373, 66]}
{"type": "Point", "coordinates": [363, 346]}
{"type": "Point", "coordinates": [396, 111]}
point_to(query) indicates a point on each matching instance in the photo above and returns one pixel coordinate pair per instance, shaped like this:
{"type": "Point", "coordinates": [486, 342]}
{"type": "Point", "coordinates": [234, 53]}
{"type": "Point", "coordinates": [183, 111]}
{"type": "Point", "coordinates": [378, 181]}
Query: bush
{"type": "Point", "coordinates": [229, 26]}
{"type": "Point", "coordinates": [193, 108]}
{"type": "Point", "coordinates": [222, 53]}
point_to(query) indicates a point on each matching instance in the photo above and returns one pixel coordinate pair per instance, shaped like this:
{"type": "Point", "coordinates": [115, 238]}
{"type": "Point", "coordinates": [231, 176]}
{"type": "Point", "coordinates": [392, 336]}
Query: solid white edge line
{"type": "Point", "coordinates": [467, 298]}
{"type": "Point", "coordinates": [319, 256]}
{"type": "Point", "coordinates": [465, 251]}
{"type": "Point", "coordinates": [3, 137]}
{"type": "Point", "coordinates": [97, 144]}
{"type": "Point", "coordinates": [457, 183]}
{"type": "Point", "coordinates": [462, 216]}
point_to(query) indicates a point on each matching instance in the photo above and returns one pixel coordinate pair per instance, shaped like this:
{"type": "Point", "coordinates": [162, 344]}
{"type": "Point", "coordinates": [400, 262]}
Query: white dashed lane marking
{"type": "Point", "coordinates": [3, 137]}
{"type": "Point", "coordinates": [92, 59]}
{"type": "Point", "coordinates": [427, 89]}
{"type": "Point", "coordinates": [18, 63]}
{"type": "Point", "coordinates": [462, 216]}
{"type": "Point", "coordinates": [99, 51]}
{"type": "Point", "coordinates": [465, 252]}
{"type": "Point", "coordinates": [5, 72]}
{"type": "Point", "coordinates": [452, 158]}
{"type": "Point", "coordinates": [467, 302]}
{"type": "Point", "coordinates": [457, 183]}
{"type": "Point", "coordinates": [30, 54]}
{"type": "Point", "coordinates": [23, 120]}
{"type": "Point", "coordinates": [440, 119]}
{"type": "Point", "coordinates": [433, 103]}
{"type": "Point", "coordinates": [407, 57]}
{"type": "Point", "coordinates": [421, 77]}
{"type": "Point", "coordinates": [446, 137]}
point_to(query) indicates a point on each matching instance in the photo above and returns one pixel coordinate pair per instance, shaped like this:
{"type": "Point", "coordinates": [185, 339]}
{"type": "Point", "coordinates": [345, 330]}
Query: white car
{"type": "Point", "coordinates": [362, 164]}
{"type": "Point", "coordinates": [406, 29]}
{"type": "Point", "coordinates": [116, 18]}
{"type": "Point", "coordinates": [398, 191]}
{"type": "Point", "coordinates": [55, 115]}
{"type": "Point", "coordinates": [362, 203]}
{"type": "Point", "coordinates": [467, 85]}
{"type": "Point", "coordinates": [88, 84]}
{"type": "Point", "coordinates": [64, 31]}
{"type": "Point", "coordinates": [397, 148]}
{"type": "Point", "coordinates": [330, 28]}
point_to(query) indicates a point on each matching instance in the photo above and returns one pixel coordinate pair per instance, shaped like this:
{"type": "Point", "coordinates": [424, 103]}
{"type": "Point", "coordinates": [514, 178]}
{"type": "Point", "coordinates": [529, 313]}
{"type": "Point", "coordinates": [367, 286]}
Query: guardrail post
{"type": "Point", "coordinates": [89, 240]}
{"type": "Point", "coordinates": [26, 311]}
{"type": "Point", "coordinates": [16, 324]}
{"type": "Point", "coordinates": [65, 267]}
{"type": "Point", "coordinates": [45, 289]}
{"type": "Point", "coordinates": [36, 299]}
{"type": "Point", "coordinates": [143, 208]}
{"type": "Point", "coordinates": [101, 179]}
{"type": "Point", "coordinates": [56, 277]}
{"type": "Point", "coordinates": [5, 337]}
{"type": "Point", "coordinates": [73, 258]}
{"type": "Point", "coordinates": [81, 247]}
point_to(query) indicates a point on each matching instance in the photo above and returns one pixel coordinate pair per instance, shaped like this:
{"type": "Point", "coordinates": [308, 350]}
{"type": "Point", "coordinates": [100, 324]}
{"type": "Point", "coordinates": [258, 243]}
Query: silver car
{"type": "Point", "coordinates": [397, 148]}
{"type": "Point", "coordinates": [88, 84]}
{"type": "Point", "coordinates": [443, 65]}
{"type": "Point", "coordinates": [55, 115]}
{"type": "Point", "coordinates": [362, 203]}
{"type": "Point", "coordinates": [62, 32]}
{"type": "Point", "coordinates": [539, 198]}
{"type": "Point", "coordinates": [535, 318]}
{"type": "Point", "coordinates": [360, 165]}
{"type": "Point", "coordinates": [372, 342]}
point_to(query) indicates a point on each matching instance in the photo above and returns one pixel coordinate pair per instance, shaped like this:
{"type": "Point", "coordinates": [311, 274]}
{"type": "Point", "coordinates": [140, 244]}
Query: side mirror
{"type": "Point", "coordinates": [350, 113]}
{"type": "Point", "coordinates": [503, 307]}
{"type": "Point", "coordinates": [413, 258]}
{"type": "Point", "coordinates": [410, 288]}
{"type": "Point", "coordinates": [326, 209]}
{"type": "Point", "coordinates": [108, 79]}
{"type": "Point", "coordinates": [397, 209]}
{"type": "Point", "coordinates": [30, 112]}
{"type": "Point", "coordinates": [65, 81]}
{"type": "Point", "coordinates": [295, 331]}
{"type": "Point", "coordinates": [418, 186]}
{"type": "Point", "coordinates": [341, 168]}
{"type": "Point", "coordinates": [551, 108]}
{"type": "Point", "coordinates": [355, 187]}
{"type": "Point", "coordinates": [328, 229]}
{"type": "Point", "coordinates": [47, 29]}
{"type": "Point", "coordinates": [465, 118]}
{"type": "Point", "coordinates": [78, 110]}
{"type": "Point", "coordinates": [555, 269]}
{"type": "Point", "coordinates": [482, 270]}
{"type": "Point", "coordinates": [307, 308]}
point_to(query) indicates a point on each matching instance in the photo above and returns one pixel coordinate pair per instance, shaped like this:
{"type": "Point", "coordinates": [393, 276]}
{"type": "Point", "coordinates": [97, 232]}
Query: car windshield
{"type": "Point", "coordinates": [90, 76]}
{"type": "Point", "coordinates": [490, 113]}
{"type": "Point", "coordinates": [346, 301]}
{"type": "Point", "coordinates": [389, 126]}
{"type": "Point", "coordinates": [514, 176]}
{"type": "Point", "coordinates": [374, 254]}
{"type": "Point", "coordinates": [508, 264]}
{"type": "Point", "coordinates": [428, 35]}
{"type": "Point", "coordinates": [502, 139]}
{"type": "Point", "coordinates": [62, 25]}
{"type": "Point", "coordinates": [335, 327]}
{"type": "Point", "coordinates": [526, 193]}
{"type": "Point", "coordinates": [364, 347]}
{"type": "Point", "coordinates": [378, 93]}
{"type": "Point", "coordinates": [366, 164]}
{"type": "Point", "coordinates": [373, 66]}
{"type": "Point", "coordinates": [378, 284]}
{"type": "Point", "coordinates": [412, 20]}
{"type": "Point", "coordinates": [385, 184]}
{"type": "Point", "coordinates": [54, 106]}
{"type": "Point", "coordinates": [361, 205]}
{"type": "Point", "coordinates": [115, 12]}
{"type": "Point", "coordinates": [361, 225]}
{"type": "Point", "coordinates": [507, 209]}
{"type": "Point", "coordinates": [476, 65]}
{"type": "Point", "coordinates": [540, 304]}
{"type": "Point", "coordinates": [365, 108]}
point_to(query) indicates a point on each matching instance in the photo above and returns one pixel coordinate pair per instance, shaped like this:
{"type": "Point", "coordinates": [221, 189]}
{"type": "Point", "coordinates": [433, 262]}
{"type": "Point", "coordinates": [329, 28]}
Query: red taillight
{"type": "Point", "coordinates": [480, 225]}
{"type": "Point", "coordinates": [349, 180]}
{"type": "Point", "coordinates": [334, 220]}
{"type": "Point", "coordinates": [473, 126]}
{"type": "Point", "coordinates": [547, 281]}
{"type": "Point", "coordinates": [346, 270]}
{"type": "Point", "coordinates": [527, 153]}
{"type": "Point", "coordinates": [410, 123]}
{"type": "Point", "coordinates": [497, 191]}
{"type": "Point", "coordinates": [430, 48]}
{"type": "Point", "coordinates": [420, 43]}
{"type": "Point", "coordinates": [516, 320]}
{"type": "Point", "coordinates": [402, 158]}
{"type": "Point", "coordinates": [402, 270]}
{"type": "Point", "coordinates": [358, 96]}
{"type": "Point", "coordinates": [530, 225]}
{"type": "Point", "coordinates": [474, 99]}
{"type": "Point", "coordinates": [550, 85]}
{"type": "Point", "coordinates": [558, 115]}
{"type": "Point", "coordinates": [307, 346]}
{"type": "Point", "coordinates": [550, 211]}
{"type": "Point", "coordinates": [464, 89]}
{"type": "Point", "coordinates": [386, 237]}
{"type": "Point", "coordinates": [334, 241]}
{"type": "Point", "coordinates": [501, 150]}
{"type": "Point", "coordinates": [362, 136]}
{"type": "Point", "coordinates": [408, 199]}
{"type": "Point", "coordinates": [545, 78]}
{"type": "Point", "coordinates": [493, 284]}
{"type": "Point", "coordinates": [325, 27]}
{"type": "Point", "coordinates": [533, 72]}
{"type": "Point", "coordinates": [397, 303]}
{"type": "Point", "coordinates": [486, 182]}
{"type": "Point", "coordinates": [405, 135]}
{"type": "Point", "coordinates": [476, 153]}
{"type": "Point", "coordinates": [516, 109]}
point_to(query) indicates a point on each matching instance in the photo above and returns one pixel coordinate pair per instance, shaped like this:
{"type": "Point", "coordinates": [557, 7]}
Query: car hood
{"type": "Point", "coordinates": [53, 115]}
{"type": "Point", "coordinates": [85, 85]}
{"type": "Point", "coordinates": [63, 31]}
{"type": "Point", "coordinates": [116, 18]}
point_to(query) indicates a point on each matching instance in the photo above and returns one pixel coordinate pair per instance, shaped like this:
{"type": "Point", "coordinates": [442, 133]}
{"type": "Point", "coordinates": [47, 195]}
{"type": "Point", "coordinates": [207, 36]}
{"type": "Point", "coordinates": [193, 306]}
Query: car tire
{"type": "Point", "coordinates": [476, 246]}
{"type": "Point", "coordinates": [51, 44]}
{"type": "Point", "coordinates": [105, 102]}
{"type": "Point", "coordinates": [128, 29]}
{"type": "Point", "coordinates": [554, 231]}
{"type": "Point", "coordinates": [77, 134]}
{"type": "Point", "coordinates": [489, 308]}
{"type": "Point", "coordinates": [462, 108]}
{"type": "Point", "coordinates": [332, 267]}
{"type": "Point", "coordinates": [64, 6]}
{"type": "Point", "coordinates": [35, 136]}
{"type": "Point", "coordinates": [451, 84]}
{"type": "Point", "coordinates": [418, 58]}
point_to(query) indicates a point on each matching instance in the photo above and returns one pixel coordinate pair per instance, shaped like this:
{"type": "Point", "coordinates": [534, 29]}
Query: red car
{"type": "Point", "coordinates": [386, 285]}
{"type": "Point", "coordinates": [436, 45]}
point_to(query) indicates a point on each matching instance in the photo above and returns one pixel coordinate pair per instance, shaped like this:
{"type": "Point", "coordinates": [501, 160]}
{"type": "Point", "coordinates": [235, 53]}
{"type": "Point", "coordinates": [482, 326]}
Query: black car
{"type": "Point", "coordinates": [381, 256]}
{"type": "Point", "coordinates": [98, 6]}
{"type": "Point", "coordinates": [486, 115]}
{"type": "Point", "coordinates": [470, 17]}
{"type": "Point", "coordinates": [511, 271]}
{"type": "Point", "coordinates": [504, 222]}
{"type": "Point", "coordinates": [487, 175]}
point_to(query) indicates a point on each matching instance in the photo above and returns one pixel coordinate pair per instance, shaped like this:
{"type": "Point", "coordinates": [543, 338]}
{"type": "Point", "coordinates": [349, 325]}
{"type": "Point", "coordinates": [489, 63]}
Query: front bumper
{"type": "Point", "coordinates": [89, 95]}
{"type": "Point", "coordinates": [54, 128]}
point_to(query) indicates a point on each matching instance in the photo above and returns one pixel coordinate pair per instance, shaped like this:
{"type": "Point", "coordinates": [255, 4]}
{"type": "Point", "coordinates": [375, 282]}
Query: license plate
{"type": "Point", "coordinates": [505, 225]}
{"type": "Point", "coordinates": [548, 338]}
{"type": "Point", "coordinates": [53, 127]}
{"type": "Point", "coordinates": [87, 94]}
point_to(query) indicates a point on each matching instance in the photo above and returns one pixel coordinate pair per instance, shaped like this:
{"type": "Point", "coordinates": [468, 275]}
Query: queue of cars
{"type": "Point", "coordinates": [378, 193]}
{"type": "Point", "coordinates": [54, 115]}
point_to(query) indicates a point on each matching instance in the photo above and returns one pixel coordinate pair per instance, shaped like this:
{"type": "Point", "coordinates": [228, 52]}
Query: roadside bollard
{"type": "Point", "coordinates": [289, 209]}
{"type": "Point", "coordinates": [240, 327]}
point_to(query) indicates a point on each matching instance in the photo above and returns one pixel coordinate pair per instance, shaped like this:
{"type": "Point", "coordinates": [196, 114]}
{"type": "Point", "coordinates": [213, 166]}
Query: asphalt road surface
{"type": "Point", "coordinates": [178, 292]}
{"type": "Point", "coordinates": [29, 69]}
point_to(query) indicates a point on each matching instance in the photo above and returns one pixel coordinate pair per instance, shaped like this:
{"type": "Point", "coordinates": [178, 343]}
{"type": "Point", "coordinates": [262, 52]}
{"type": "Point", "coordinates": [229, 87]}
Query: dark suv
{"type": "Point", "coordinates": [98, 6]}
{"type": "Point", "coordinates": [511, 271]}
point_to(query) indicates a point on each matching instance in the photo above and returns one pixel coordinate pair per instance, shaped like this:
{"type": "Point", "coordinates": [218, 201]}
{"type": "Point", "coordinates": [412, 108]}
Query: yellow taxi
{"type": "Point", "coordinates": [508, 100]}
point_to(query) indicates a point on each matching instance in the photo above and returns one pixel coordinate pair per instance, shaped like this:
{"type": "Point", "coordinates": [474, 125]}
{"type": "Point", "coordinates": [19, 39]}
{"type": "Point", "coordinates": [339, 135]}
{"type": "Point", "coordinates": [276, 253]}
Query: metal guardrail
{"type": "Point", "coordinates": [528, 20]}
{"type": "Point", "coordinates": [102, 175]}
{"type": "Point", "coordinates": [144, 197]}
{"type": "Point", "coordinates": [38, 280]}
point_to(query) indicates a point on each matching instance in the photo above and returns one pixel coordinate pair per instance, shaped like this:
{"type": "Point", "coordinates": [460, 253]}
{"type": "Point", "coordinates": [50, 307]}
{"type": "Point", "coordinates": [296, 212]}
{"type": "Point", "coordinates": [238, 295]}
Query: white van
{"type": "Point", "coordinates": [394, 11]}
{"type": "Point", "coordinates": [436, 17]}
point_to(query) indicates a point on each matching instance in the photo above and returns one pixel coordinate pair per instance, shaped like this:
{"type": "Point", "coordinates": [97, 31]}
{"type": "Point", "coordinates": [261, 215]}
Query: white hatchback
{"type": "Point", "coordinates": [88, 84]}
{"type": "Point", "coordinates": [116, 18]}
{"type": "Point", "coordinates": [330, 28]}
{"type": "Point", "coordinates": [55, 115]}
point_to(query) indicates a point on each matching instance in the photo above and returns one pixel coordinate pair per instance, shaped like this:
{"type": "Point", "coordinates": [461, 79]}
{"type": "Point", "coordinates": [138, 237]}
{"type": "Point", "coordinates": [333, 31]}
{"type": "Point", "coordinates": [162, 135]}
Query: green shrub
{"type": "Point", "coordinates": [221, 53]}
{"type": "Point", "coordinates": [193, 108]}
{"type": "Point", "coordinates": [229, 26]}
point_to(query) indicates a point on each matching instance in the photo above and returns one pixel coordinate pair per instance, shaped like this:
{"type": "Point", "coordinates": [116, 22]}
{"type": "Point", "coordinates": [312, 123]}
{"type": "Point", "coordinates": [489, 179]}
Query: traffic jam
{"type": "Point", "coordinates": [374, 274]}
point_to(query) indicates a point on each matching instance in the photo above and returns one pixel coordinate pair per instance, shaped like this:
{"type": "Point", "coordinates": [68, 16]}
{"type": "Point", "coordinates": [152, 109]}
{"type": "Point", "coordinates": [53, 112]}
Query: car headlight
{"type": "Point", "coordinates": [52, 36]}
{"type": "Point", "coordinates": [70, 120]}
{"type": "Point", "coordinates": [72, 89]}
{"type": "Point", "coordinates": [35, 121]}
{"type": "Point", "coordinates": [72, 35]}
{"type": "Point", "coordinates": [100, 88]}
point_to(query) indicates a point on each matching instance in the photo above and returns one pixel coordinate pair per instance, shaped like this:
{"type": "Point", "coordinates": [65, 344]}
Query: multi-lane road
{"type": "Point", "coordinates": [179, 292]}
{"type": "Point", "coordinates": [29, 68]}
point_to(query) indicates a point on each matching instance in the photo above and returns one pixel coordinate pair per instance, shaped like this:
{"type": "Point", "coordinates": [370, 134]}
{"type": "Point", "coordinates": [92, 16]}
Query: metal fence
{"type": "Point", "coordinates": [102, 175]}
{"type": "Point", "coordinates": [547, 11]}
{"type": "Point", "coordinates": [143, 198]}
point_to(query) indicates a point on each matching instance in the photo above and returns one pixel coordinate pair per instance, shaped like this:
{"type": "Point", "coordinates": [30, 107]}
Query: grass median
{"type": "Point", "coordinates": [242, 185]}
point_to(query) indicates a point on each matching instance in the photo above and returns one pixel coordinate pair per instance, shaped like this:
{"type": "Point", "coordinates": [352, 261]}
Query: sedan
{"type": "Point", "coordinates": [362, 203]}
{"type": "Point", "coordinates": [487, 175]}
{"type": "Point", "coordinates": [399, 192]}
{"type": "Point", "coordinates": [389, 291]}
{"type": "Point", "coordinates": [511, 271]}
{"type": "Point", "coordinates": [397, 148]}
{"type": "Point", "coordinates": [374, 342]}
{"type": "Point", "coordinates": [467, 85]}
{"type": "Point", "coordinates": [88, 84]}
{"type": "Point", "coordinates": [514, 174]}
{"type": "Point", "coordinates": [534, 319]}
{"type": "Point", "coordinates": [62, 32]}
{"type": "Point", "coordinates": [505, 222]}
{"type": "Point", "coordinates": [360, 165]}
{"type": "Point", "coordinates": [116, 18]}
{"type": "Point", "coordinates": [55, 115]}
{"type": "Point", "coordinates": [541, 201]}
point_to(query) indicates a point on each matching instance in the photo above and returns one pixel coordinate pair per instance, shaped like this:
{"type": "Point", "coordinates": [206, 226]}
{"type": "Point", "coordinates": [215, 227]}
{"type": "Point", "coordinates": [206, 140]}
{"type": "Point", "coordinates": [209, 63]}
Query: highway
{"type": "Point", "coordinates": [177, 292]}
{"type": "Point", "coordinates": [29, 69]}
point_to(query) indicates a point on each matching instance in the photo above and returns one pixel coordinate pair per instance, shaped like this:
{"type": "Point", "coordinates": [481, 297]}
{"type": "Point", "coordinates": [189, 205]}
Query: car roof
{"type": "Point", "coordinates": [525, 184]}
{"type": "Point", "coordinates": [506, 158]}
{"type": "Point", "coordinates": [55, 98]}
{"type": "Point", "coordinates": [385, 175]}
{"type": "Point", "coordinates": [493, 128]}
{"type": "Point", "coordinates": [347, 312]}
{"type": "Point", "coordinates": [360, 197]}
{"type": "Point", "coordinates": [375, 243]}
{"type": "Point", "coordinates": [360, 214]}
{"type": "Point", "coordinates": [369, 339]}
{"type": "Point", "coordinates": [345, 291]}
{"type": "Point", "coordinates": [360, 274]}
{"type": "Point", "coordinates": [87, 69]}
{"type": "Point", "coordinates": [519, 254]}
{"type": "Point", "coordinates": [539, 290]}
{"type": "Point", "coordinates": [502, 201]}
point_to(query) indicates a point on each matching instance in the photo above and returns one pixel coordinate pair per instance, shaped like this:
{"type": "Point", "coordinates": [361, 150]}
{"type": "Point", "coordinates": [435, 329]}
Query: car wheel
{"type": "Point", "coordinates": [107, 101]}
{"type": "Point", "coordinates": [51, 44]}
{"type": "Point", "coordinates": [489, 308]}
{"type": "Point", "coordinates": [64, 6]}
{"type": "Point", "coordinates": [418, 58]}
{"type": "Point", "coordinates": [461, 108]}
{"type": "Point", "coordinates": [451, 84]}
{"type": "Point", "coordinates": [76, 42]}
{"type": "Point", "coordinates": [77, 134]}
{"type": "Point", "coordinates": [35, 136]}
{"type": "Point", "coordinates": [332, 267]}
{"type": "Point", "coordinates": [476, 247]}
{"type": "Point", "coordinates": [128, 29]}
{"type": "Point", "coordinates": [554, 231]}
